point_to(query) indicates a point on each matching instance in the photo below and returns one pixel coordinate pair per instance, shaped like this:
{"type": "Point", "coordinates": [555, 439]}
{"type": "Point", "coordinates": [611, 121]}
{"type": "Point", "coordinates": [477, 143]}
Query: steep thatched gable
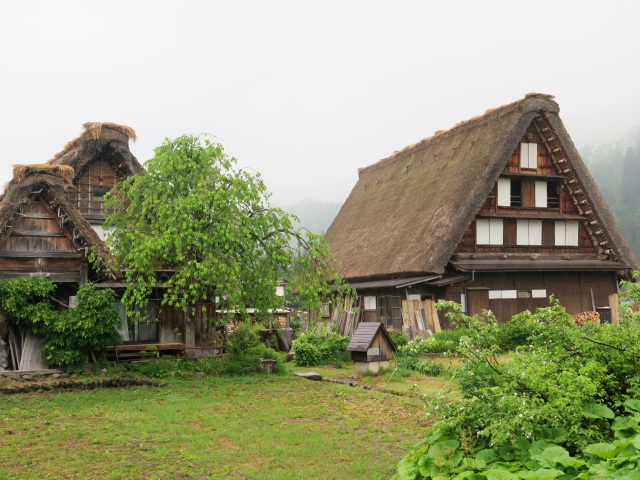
{"type": "Point", "coordinates": [47, 183]}
{"type": "Point", "coordinates": [407, 213]}
{"type": "Point", "coordinates": [104, 140]}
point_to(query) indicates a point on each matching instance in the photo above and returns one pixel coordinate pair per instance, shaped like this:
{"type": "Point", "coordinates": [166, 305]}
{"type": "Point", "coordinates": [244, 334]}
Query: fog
{"type": "Point", "coordinates": [307, 92]}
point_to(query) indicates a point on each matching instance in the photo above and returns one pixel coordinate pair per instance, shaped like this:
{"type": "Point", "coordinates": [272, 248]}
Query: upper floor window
{"type": "Point", "coordinates": [529, 232]}
{"type": "Point", "coordinates": [529, 155]}
{"type": "Point", "coordinates": [489, 231]}
{"type": "Point", "coordinates": [567, 233]}
{"type": "Point", "coordinates": [509, 192]}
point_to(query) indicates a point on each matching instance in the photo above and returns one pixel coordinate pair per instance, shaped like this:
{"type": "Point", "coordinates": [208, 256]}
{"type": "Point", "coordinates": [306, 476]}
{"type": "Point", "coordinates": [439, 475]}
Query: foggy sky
{"type": "Point", "coordinates": [306, 92]}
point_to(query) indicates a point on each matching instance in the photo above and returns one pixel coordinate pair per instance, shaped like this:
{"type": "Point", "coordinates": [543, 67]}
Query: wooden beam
{"type": "Point", "coordinates": [34, 233]}
{"type": "Point", "coordinates": [10, 254]}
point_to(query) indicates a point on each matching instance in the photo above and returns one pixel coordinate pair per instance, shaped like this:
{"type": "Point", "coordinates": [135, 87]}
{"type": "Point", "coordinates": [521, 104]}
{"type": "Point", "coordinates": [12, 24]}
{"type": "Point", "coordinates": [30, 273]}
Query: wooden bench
{"type": "Point", "coordinates": [120, 353]}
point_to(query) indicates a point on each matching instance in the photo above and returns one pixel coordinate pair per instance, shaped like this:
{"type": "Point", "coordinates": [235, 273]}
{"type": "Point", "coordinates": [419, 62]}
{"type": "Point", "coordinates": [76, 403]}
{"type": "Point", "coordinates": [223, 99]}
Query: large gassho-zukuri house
{"type": "Point", "coordinates": [498, 213]}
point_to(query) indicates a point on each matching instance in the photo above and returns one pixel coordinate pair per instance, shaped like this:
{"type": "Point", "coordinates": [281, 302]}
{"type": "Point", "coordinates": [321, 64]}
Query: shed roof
{"type": "Point", "coordinates": [365, 334]}
{"type": "Point", "coordinates": [408, 212]}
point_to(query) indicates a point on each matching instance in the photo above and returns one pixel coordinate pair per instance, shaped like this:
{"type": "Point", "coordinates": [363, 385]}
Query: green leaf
{"type": "Point", "coordinates": [541, 474]}
{"type": "Point", "coordinates": [632, 405]}
{"type": "Point", "coordinates": [496, 474]}
{"type": "Point", "coordinates": [596, 410]}
{"type": "Point", "coordinates": [601, 450]}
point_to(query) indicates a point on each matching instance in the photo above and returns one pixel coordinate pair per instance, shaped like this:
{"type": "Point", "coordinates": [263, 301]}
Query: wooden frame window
{"type": "Point", "coordinates": [369, 302]}
{"type": "Point", "coordinates": [509, 192]}
{"type": "Point", "coordinates": [502, 294]}
{"type": "Point", "coordinates": [553, 195]}
{"type": "Point", "coordinates": [390, 311]}
{"type": "Point", "coordinates": [567, 233]}
{"type": "Point", "coordinates": [529, 232]}
{"type": "Point", "coordinates": [514, 294]}
{"type": "Point", "coordinates": [489, 231]}
{"type": "Point", "coordinates": [529, 156]}
{"type": "Point", "coordinates": [145, 329]}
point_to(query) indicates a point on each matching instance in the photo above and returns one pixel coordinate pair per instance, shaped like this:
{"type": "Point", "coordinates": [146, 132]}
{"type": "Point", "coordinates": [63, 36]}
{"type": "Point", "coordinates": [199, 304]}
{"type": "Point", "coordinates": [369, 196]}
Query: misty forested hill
{"type": "Point", "coordinates": [616, 170]}
{"type": "Point", "coordinates": [314, 215]}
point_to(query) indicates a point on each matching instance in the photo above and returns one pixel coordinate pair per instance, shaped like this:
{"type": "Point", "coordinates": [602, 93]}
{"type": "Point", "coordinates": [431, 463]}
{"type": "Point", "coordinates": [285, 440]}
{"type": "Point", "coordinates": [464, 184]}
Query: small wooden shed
{"type": "Point", "coordinates": [371, 347]}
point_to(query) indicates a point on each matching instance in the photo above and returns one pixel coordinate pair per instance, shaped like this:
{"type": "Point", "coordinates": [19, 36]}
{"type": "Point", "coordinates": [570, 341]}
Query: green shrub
{"type": "Point", "coordinates": [244, 341]}
{"type": "Point", "coordinates": [313, 348]}
{"type": "Point", "coordinates": [548, 382]}
{"type": "Point", "coordinates": [245, 350]}
{"type": "Point", "coordinates": [398, 338]}
{"type": "Point", "coordinates": [516, 332]}
{"type": "Point", "coordinates": [425, 366]}
{"type": "Point", "coordinates": [444, 341]}
{"type": "Point", "coordinates": [542, 456]}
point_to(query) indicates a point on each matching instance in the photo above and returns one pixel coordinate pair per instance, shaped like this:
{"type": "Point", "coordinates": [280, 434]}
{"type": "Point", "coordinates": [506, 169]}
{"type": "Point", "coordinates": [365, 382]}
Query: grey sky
{"type": "Point", "coordinates": [307, 92]}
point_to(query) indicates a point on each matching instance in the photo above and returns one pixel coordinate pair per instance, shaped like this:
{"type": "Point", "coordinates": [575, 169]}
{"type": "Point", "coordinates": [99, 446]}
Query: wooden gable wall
{"type": "Point", "coordinates": [562, 208]}
{"type": "Point", "coordinates": [36, 245]}
{"type": "Point", "coordinates": [89, 190]}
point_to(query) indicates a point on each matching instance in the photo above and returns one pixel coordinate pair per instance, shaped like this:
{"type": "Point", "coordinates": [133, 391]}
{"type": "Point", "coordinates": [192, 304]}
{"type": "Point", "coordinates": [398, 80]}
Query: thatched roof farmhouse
{"type": "Point", "coordinates": [51, 214]}
{"type": "Point", "coordinates": [498, 212]}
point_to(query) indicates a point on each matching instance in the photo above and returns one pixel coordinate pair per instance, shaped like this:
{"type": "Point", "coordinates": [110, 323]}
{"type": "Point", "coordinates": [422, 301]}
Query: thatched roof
{"type": "Point", "coordinates": [407, 213]}
{"type": "Point", "coordinates": [106, 140]}
{"type": "Point", "coordinates": [50, 182]}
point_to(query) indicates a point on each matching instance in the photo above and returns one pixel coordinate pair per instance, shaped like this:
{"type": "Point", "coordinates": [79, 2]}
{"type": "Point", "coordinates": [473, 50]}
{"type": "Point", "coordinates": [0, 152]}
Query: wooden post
{"type": "Point", "coordinates": [613, 305]}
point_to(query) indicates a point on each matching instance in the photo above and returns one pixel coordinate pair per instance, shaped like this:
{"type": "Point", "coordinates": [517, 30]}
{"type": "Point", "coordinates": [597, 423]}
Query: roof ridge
{"type": "Point", "coordinates": [530, 102]}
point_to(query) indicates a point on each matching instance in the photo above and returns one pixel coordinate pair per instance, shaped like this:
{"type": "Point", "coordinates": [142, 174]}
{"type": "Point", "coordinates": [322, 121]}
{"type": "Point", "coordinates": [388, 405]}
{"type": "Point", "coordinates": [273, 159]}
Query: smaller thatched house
{"type": "Point", "coordinates": [498, 213]}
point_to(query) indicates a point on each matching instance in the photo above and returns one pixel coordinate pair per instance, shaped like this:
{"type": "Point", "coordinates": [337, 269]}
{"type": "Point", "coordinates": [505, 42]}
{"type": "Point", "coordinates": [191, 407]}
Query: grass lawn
{"type": "Point", "coordinates": [261, 427]}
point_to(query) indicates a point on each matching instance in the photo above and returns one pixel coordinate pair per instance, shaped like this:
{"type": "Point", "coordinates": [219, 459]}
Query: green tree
{"type": "Point", "coordinates": [210, 225]}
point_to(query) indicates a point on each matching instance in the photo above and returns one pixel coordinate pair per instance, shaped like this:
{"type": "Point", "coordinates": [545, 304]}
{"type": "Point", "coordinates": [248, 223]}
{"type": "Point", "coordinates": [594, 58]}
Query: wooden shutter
{"type": "Point", "coordinates": [482, 231]}
{"type": "Point", "coordinates": [504, 192]}
{"type": "Point", "coordinates": [541, 194]}
{"type": "Point", "coordinates": [523, 232]}
{"type": "Point", "coordinates": [561, 233]}
{"type": "Point", "coordinates": [572, 235]}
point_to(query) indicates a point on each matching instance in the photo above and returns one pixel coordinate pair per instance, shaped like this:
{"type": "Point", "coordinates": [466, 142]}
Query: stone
{"type": "Point", "coordinates": [199, 374]}
{"type": "Point", "coordinates": [27, 378]}
{"type": "Point", "coordinates": [309, 375]}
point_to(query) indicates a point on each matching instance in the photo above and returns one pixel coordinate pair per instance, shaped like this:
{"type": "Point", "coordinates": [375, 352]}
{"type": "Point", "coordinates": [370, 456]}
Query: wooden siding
{"type": "Point", "coordinates": [88, 193]}
{"type": "Point", "coordinates": [574, 290]}
{"type": "Point", "coordinates": [37, 245]}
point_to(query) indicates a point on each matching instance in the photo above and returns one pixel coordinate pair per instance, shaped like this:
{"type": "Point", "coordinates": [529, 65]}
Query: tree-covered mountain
{"type": "Point", "coordinates": [616, 170]}
{"type": "Point", "coordinates": [316, 216]}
